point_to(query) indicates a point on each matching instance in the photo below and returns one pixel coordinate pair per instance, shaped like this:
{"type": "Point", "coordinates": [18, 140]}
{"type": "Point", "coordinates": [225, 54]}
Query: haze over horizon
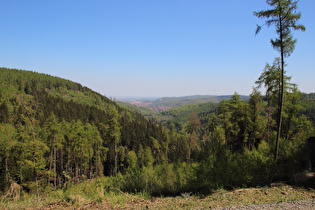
{"type": "Point", "coordinates": [151, 48]}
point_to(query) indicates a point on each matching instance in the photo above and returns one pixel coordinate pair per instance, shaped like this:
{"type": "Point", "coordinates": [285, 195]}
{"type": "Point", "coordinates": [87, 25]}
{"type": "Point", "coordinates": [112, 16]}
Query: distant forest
{"type": "Point", "coordinates": [55, 133]}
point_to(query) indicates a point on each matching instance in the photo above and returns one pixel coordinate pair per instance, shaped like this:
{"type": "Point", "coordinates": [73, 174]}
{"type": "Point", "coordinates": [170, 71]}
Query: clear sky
{"type": "Point", "coordinates": [151, 47]}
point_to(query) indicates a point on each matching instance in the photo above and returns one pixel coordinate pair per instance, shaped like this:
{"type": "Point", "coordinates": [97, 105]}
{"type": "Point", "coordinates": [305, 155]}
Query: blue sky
{"type": "Point", "coordinates": [151, 47]}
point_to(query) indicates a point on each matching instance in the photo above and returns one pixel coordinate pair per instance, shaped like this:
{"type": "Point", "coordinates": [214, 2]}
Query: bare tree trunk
{"type": "Point", "coordinates": [75, 168]}
{"type": "Point", "coordinates": [36, 181]}
{"type": "Point", "coordinates": [166, 156]}
{"type": "Point", "coordinates": [33, 132]}
{"type": "Point", "coordinates": [268, 123]}
{"type": "Point", "coordinates": [35, 173]}
{"type": "Point", "coordinates": [55, 163]}
{"type": "Point", "coordinates": [279, 124]}
{"type": "Point", "coordinates": [289, 127]}
{"type": "Point", "coordinates": [90, 165]}
{"type": "Point", "coordinates": [61, 168]}
{"type": "Point", "coordinates": [254, 130]}
{"type": "Point", "coordinates": [279, 120]}
{"type": "Point", "coordinates": [50, 162]}
{"type": "Point", "coordinates": [281, 92]}
{"type": "Point", "coordinates": [189, 146]}
{"type": "Point", "coordinates": [6, 173]}
{"type": "Point", "coordinates": [81, 167]}
{"type": "Point", "coordinates": [68, 170]}
{"type": "Point", "coordinates": [115, 167]}
{"type": "Point", "coordinates": [34, 156]}
{"type": "Point", "coordinates": [96, 163]}
{"type": "Point", "coordinates": [21, 177]}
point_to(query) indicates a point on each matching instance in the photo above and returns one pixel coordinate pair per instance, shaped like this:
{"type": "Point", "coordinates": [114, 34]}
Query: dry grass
{"type": "Point", "coordinates": [13, 193]}
{"type": "Point", "coordinates": [118, 200]}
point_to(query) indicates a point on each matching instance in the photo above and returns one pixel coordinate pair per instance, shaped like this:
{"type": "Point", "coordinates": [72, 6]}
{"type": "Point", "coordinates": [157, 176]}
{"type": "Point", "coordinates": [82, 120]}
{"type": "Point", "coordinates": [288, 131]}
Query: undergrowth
{"type": "Point", "coordinates": [94, 194]}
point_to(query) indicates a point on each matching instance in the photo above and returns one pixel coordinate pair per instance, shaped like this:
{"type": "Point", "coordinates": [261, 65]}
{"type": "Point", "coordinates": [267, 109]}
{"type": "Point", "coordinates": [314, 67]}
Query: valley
{"type": "Point", "coordinates": [223, 124]}
{"type": "Point", "coordinates": [58, 136]}
{"type": "Point", "coordinates": [166, 103]}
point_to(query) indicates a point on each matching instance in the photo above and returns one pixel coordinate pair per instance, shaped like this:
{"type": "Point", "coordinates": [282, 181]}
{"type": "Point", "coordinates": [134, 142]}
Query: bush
{"type": "Point", "coordinates": [166, 179]}
{"type": "Point", "coordinates": [240, 169]}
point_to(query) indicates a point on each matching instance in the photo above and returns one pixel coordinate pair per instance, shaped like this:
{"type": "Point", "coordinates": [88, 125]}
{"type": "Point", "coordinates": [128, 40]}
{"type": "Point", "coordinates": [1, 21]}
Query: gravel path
{"type": "Point", "coordinates": [301, 204]}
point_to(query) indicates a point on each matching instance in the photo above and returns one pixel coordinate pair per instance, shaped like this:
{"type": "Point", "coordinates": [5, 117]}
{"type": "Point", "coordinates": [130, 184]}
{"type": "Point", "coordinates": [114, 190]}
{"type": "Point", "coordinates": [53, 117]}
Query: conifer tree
{"type": "Point", "coordinates": [283, 15]}
{"type": "Point", "coordinates": [141, 156]}
{"type": "Point", "coordinates": [7, 144]}
{"type": "Point", "coordinates": [132, 159]}
{"type": "Point", "coordinates": [194, 125]}
{"type": "Point", "coordinates": [115, 135]}
{"type": "Point", "coordinates": [93, 146]}
{"type": "Point", "coordinates": [4, 113]}
{"type": "Point", "coordinates": [148, 157]}
{"type": "Point", "coordinates": [293, 110]}
{"type": "Point", "coordinates": [54, 136]}
{"type": "Point", "coordinates": [225, 115]}
{"type": "Point", "coordinates": [239, 122]}
{"type": "Point", "coordinates": [257, 123]}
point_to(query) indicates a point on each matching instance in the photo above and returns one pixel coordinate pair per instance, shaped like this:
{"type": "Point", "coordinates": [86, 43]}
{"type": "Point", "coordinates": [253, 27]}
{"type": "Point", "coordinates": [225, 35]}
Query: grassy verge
{"type": "Point", "coordinates": [89, 196]}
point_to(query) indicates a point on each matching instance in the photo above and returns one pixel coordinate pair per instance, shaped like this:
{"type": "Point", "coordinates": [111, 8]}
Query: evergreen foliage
{"type": "Point", "coordinates": [283, 15]}
{"type": "Point", "coordinates": [54, 134]}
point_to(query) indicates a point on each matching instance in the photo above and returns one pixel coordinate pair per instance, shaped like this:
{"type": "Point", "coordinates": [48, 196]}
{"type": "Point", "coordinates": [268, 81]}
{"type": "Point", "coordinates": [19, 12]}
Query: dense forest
{"type": "Point", "coordinates": [56, 133]}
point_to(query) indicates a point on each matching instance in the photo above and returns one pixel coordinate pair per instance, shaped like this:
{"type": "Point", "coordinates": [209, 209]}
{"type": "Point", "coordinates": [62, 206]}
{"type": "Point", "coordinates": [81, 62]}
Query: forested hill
{"type": "Point", "coordinates": [51, 126]}
{"type": "Point", "coordinates": [22, 90]}
{"type": "Point", "coordinates": [54, 133]}
{"type": "Point", "coordinates": [194, 99]}
{"type": "Point", "coordinates": [166, 103]}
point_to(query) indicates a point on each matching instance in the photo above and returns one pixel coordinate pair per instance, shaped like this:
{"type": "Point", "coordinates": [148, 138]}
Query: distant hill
{"type": "Point", "coordinates": [179, 116]}
{"type": "Point", "coordinates": [194, 99]}
{"type": "Point", "coordinates": [139, 109]}
{"type": "Point", "coordinates": [166, 103]}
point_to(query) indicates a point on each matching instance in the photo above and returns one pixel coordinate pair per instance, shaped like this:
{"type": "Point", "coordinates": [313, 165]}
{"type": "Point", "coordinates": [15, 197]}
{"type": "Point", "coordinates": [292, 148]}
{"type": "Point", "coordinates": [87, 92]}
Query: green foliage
{"type": "Point", "coordinates": [166, 179]}
{"type": "Point", "coordinates": [148, 157]}
{"type": "Point", "coordinates": [226, 169]}
{"type": "Point", "coordinates": [56, 134]}
{"type": "Point", "coordinates": [66, 133]}
{"type": "Point", "coordinates": [309, 109]}
{"type": "Point", "coordinates": [132, 159]}
{"type": "Point", "coordinates": [179, 116]}
{"type": "Point", "coordinates": [284, 17]}
{"type": "Point", "coordinates": [59, 137]}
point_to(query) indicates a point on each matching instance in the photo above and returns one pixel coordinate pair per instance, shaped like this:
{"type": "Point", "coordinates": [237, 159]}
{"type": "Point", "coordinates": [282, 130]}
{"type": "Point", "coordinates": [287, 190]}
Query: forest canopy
{"type": "Point", "coordinates": [56, 133]}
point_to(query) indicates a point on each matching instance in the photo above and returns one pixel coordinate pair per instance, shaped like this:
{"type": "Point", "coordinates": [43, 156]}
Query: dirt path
{"type": "Point", "coordinates": [301, 204]}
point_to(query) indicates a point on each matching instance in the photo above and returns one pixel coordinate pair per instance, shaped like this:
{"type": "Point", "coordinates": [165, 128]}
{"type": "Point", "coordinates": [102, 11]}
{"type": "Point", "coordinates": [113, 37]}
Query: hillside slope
{"type": "Point", "coordinates": [52, 126]}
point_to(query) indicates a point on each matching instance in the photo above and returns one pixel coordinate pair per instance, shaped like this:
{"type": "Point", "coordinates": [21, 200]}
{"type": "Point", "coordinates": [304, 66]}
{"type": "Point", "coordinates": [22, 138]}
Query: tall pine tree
{"type": "Point", "coordinates": [283, 15]}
